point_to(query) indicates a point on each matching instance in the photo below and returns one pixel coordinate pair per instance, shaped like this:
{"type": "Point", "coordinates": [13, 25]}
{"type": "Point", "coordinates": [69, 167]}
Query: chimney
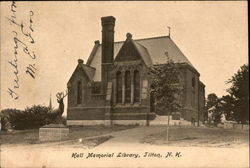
{"type": "Point", "coordinates": [108, 24]}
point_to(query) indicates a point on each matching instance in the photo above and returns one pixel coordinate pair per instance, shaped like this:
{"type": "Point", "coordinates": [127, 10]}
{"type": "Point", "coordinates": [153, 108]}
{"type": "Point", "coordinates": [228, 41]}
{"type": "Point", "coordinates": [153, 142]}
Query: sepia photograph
{"type": "Point", "coordinates": [124, 84]}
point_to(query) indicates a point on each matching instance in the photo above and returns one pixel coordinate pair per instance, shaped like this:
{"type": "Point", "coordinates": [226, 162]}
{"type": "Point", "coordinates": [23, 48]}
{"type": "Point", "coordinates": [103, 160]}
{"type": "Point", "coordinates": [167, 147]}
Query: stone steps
{"type": "Point", "coordinates": [163, 120]}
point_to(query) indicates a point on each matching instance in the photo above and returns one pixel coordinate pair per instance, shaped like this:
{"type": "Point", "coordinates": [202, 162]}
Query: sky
{"type": "Point", "coordinates": [213, 35]}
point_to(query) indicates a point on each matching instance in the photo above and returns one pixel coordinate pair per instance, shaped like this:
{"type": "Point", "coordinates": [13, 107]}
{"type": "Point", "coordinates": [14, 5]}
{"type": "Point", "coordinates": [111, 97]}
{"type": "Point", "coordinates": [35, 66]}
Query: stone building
{"type": "Point", "coordinates": [112, 86]}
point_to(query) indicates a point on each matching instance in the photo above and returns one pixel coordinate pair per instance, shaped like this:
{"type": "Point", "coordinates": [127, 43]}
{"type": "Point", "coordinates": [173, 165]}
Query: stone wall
{"type": "Point", "coordinates": [86, 113]}
{"type": "Point", "coordinates": [193, 98]}
{"type": "Point", "coordinates": [229, 125]}
{"type": "Point", "coordinates": [202, 102]}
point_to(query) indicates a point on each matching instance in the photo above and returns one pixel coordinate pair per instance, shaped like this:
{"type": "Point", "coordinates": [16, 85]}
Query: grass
{"type": "Point", "coordinates": [19, 137]}
{"type": "Point", "coordinates": [199, 136]}
{"type": "Point", "coordinates": [179, 136]}
{"type": "Point", "coordinates": [91, 143]}
{"type": "Point", "coordinates": [88, 143]}
{"type": "Point", "coordinates": [32, 136]}
{"type": "Point", "coordinates": [89, 131]}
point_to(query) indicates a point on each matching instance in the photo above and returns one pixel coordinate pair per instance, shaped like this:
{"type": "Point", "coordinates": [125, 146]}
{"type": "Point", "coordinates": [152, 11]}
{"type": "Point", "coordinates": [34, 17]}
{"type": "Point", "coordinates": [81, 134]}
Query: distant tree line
{"type": "Point", "coordinates": [235, 104]}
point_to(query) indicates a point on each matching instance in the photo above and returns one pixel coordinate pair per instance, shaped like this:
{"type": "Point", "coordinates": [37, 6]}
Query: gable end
{"type": "Point", "coordinates": [128, 52]}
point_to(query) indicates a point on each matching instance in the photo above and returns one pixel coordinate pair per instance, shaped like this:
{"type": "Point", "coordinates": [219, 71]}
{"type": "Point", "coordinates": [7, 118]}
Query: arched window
{"type": "Point", "coordinates": [136, 86]}
{"type": "Point", "coordinates": [79, 92]}
{"type": "Point", "coordinates": [127, 87]}
{"type": "Point", "coordinates": [193, 82]}
{"type": "Point", "coordinates": [119, 87]}
{"type": "Point", "coordinates": [193, 92]}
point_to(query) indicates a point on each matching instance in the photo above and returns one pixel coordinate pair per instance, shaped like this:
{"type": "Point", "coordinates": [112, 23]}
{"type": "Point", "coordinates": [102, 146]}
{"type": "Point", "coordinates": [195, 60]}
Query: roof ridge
{"type": "Point", "coordinates": [148, 38]}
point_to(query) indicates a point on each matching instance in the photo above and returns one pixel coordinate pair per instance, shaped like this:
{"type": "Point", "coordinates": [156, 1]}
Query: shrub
{"type": "Point", "coordinates": [32, 117]}
{"type": "Point", "coordinates": [36, 116]}
{"type": "Point", "coordinates": [8, 117]}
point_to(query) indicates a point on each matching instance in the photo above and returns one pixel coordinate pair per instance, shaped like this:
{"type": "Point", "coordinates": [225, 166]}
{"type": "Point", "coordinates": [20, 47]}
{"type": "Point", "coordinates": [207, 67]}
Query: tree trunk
{"type": "Point", "coordinates": [168, 128]}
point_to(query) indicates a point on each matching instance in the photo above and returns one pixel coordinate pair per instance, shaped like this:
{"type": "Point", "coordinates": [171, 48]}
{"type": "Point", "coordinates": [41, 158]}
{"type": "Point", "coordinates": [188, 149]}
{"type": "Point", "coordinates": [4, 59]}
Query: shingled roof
{"type": "Point", "coordinates": [156, 48]}
{"type": "Point", "coordinates": [144, 53]}
{"type": "Point", "coordinates": [89, 71]}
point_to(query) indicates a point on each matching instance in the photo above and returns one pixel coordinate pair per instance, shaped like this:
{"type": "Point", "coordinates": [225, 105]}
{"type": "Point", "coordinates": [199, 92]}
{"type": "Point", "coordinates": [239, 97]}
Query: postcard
{"type": "Point", "coordinates": [124, 84]}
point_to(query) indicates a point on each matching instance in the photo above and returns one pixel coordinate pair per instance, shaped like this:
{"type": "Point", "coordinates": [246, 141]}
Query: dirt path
{"type": "Point", "coordinates": [126, 142]}
{"type": "Point", "coordinates": [131, 136]}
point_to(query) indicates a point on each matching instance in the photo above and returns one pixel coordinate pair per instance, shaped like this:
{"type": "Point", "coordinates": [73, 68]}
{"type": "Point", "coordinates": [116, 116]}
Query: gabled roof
{"type": "Point", "coordinates": [153, 50]}
{"type": "Point", "coordinates": [89, 71]}
{"type": "Point", "coordinates": [158, 46]}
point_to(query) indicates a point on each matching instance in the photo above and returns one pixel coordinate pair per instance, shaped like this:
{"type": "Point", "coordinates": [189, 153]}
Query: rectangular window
{"type": "Point", "coordinates": [96, 88]}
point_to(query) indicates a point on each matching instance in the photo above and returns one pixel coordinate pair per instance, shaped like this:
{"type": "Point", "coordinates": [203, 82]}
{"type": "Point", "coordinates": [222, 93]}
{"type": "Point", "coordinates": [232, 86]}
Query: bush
{"type": "Point", "coordinates": [36, 116]}
{"type": "Point", "coordinates": [32, 117]}
{"type": "Point", "coordinates": [7, 118]}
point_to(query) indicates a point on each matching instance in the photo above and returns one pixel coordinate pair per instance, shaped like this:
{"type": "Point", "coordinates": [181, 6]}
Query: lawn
{"type": "Point", "coordinates": [199, 136]}
{"type": "Point", "coordinates": [31, 136]}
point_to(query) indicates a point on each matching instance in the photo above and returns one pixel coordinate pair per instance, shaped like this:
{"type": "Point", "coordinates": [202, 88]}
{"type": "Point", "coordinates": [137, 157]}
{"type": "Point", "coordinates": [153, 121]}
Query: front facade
{"type": "Point", "coordinates": [112, 87]}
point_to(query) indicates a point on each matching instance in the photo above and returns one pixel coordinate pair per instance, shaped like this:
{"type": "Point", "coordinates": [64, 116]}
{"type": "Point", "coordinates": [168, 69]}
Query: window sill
{"type": "Point", "coordinates": [127, 105]}
{"type": "Point", "coordinates": [80, 105]}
